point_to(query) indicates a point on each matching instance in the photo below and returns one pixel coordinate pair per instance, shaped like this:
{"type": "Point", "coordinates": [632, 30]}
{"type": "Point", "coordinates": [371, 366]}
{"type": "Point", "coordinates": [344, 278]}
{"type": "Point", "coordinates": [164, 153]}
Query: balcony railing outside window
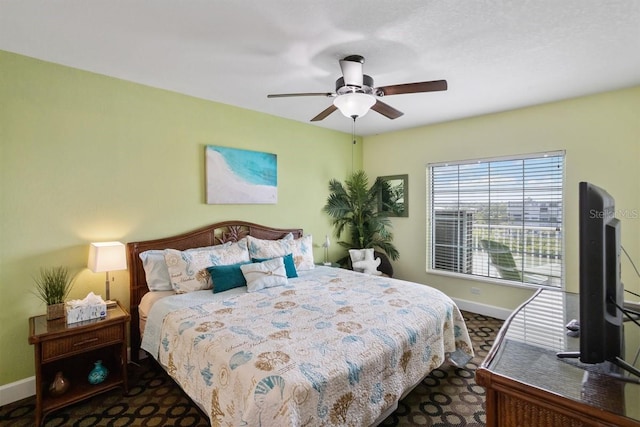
{"type": "Point", "coordinates": [537, 251]}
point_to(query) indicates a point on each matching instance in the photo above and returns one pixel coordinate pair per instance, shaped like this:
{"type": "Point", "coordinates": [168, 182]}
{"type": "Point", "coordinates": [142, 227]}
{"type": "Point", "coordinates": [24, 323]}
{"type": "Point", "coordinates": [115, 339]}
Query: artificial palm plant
{"type": "Point", "coordinates": [354, 208]}
{"type": "Point", "coordinates": [53, 286]}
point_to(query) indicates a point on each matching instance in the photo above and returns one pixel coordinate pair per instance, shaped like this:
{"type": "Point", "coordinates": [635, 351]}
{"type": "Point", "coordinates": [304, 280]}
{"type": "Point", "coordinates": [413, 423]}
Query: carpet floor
{"type": "Point", "coordinates": [449, 396]}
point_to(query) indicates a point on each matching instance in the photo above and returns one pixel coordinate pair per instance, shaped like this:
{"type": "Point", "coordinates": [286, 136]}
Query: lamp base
{"type": "Point", "coordinates": [111, 303]}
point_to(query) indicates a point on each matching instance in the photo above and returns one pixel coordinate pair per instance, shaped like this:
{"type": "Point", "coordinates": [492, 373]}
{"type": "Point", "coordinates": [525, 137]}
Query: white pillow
{"type": "Point", "coordinates": [259, 248]}
{"type": "Point", "coordinates": [302, 250]}
{"type": "Point", "coordinates": [155, 270]}
{"type": "Point", "coordinates": [266, 274]}
{"type": "Point", "coordinates": [188, 269]}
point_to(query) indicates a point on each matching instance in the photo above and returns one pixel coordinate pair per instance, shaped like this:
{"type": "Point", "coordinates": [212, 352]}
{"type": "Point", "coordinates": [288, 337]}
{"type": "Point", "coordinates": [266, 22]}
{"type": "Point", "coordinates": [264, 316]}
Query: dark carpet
{"type": "Point", "coordinates": [449, 396]}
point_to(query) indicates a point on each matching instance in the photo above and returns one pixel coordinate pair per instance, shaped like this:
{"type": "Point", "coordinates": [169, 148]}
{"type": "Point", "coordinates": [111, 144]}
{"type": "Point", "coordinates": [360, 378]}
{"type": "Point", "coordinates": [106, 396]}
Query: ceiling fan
{"type": "Point", "coordinates": [355, 92]}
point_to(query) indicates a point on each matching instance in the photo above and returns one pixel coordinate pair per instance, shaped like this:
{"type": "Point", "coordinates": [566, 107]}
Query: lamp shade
{"type": "Point", "coordinates": [107, 256]}
{"type": "Point", "coordinates": [354, 104]}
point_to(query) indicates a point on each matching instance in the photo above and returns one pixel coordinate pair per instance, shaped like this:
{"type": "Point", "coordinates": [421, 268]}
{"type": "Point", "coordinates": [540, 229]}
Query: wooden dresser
{"type": "Point", "coordinates": [528, 385]}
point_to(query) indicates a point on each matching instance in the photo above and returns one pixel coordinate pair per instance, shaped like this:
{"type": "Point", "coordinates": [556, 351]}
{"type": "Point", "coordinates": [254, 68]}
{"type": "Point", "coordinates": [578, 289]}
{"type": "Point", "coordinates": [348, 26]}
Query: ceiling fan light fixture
{"type": "Point", "coordinates": [354, 104]}
{"type": "Point", "coordinates": [356, 93]}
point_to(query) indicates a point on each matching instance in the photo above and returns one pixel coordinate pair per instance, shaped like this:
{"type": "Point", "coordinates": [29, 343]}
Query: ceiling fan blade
{"type": "Point", "coordinates": [386, 110]}
{"type": "Point", "coordinates": [433, 86]}
{"type": "Point", "coordinates": [330, 109]}
{"type": "Point", "coordinates": [351, 71]}
{"type": "Point", "coordinates": [286, 95]}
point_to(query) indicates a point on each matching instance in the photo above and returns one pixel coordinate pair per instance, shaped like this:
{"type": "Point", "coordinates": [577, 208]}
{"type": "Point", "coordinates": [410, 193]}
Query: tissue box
{"type": "Point", "coordinates": [85, 312]}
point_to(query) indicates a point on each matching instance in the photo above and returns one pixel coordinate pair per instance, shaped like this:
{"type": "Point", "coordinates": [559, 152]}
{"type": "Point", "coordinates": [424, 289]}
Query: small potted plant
{"type": "Point", "coordinates": [52, 286]}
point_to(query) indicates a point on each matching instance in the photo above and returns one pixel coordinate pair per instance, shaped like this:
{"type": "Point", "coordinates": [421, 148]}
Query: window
{"type": "Point", "coordinates": [498, 218]}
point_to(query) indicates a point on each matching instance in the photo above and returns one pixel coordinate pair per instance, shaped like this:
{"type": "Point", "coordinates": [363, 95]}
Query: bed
{"type": "Point", "coordinates": [297, 344]}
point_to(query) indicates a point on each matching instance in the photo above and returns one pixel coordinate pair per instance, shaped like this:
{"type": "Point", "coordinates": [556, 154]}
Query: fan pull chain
{"type": "Point", "coordinates": [353, 139]}
{"type": "Point", "coordinates": [353, 129]}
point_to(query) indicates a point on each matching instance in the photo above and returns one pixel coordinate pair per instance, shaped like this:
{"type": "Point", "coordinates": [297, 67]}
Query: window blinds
{"type": "Point", "coordinates": [499, 218]}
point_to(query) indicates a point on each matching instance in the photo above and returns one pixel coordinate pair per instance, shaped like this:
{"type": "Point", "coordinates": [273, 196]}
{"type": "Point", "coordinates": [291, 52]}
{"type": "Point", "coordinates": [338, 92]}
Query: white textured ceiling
{"type": "Point", "coordinates": [495, 55]}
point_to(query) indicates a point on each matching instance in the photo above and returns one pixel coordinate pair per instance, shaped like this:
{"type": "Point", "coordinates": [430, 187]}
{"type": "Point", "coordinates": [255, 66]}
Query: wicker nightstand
{"type": "Point", "coordinates": [73, 350]}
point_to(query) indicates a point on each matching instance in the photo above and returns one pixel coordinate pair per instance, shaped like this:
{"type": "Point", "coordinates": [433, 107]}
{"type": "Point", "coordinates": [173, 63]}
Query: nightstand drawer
{"type": "Point", "coordinates": [52, 349]}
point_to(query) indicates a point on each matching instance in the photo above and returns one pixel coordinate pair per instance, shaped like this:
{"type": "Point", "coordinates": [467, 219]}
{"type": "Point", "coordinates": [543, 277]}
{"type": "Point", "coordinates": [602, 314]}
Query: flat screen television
{"type": "Point", "coordinates": [601, 290]}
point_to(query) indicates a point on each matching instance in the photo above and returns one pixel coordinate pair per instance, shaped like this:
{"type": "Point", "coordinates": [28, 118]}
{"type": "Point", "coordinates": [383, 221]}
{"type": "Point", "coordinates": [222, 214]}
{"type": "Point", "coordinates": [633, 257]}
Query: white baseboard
{"type": "Point", "coordinates": [484, 309]}
{"type": "Point", "coordinates": [17, 390]}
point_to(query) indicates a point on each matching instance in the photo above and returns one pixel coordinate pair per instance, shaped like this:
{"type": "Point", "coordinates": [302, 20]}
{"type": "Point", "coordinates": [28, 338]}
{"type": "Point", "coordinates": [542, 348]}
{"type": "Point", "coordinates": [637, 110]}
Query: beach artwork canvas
{"type": "Point", "coordinates": [236, 176]}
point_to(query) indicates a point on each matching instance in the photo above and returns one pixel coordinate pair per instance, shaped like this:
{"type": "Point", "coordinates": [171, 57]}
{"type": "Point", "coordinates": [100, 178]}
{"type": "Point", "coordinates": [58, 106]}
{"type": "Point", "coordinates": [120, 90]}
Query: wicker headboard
{"type": "Point", "coordinates": [213, 234]}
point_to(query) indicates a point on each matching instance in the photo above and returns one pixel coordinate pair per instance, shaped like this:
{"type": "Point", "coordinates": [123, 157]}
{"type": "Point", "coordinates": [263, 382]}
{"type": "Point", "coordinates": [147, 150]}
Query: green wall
{"type": "Point", "coordinates": [601, 136]}
{"type": "Point", "coordinates": [86, 158]}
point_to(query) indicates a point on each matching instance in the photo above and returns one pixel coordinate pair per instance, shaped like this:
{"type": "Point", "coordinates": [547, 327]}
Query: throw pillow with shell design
{"type": "Point", "coordinates": [263, 249]}
{"type": "Point", "coordinates": [302, 250]}
{"type": "Point", "coordinates": [188, 269]}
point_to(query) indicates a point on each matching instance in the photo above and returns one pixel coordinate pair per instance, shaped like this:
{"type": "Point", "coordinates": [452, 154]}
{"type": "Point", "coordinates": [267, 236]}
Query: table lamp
{"type": "Point", "coordinates": [326, 245]}
{"type": "Point", "coordinates": [107, 256]}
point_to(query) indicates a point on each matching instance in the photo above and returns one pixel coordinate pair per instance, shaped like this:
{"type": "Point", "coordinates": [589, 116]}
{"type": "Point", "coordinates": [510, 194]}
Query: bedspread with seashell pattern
{"type": "Point", "coordinates": [330, 348]}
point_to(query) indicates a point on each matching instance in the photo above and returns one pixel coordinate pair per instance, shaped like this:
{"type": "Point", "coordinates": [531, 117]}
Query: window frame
{"type": "Point", "coordinates": [431, 223]}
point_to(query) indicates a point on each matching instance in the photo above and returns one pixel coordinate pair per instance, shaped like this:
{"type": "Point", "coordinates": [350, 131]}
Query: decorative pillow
{"type": "Point", "coordinates": [268, 249]}
{"type": "Point", "coordinates": [302, 250]}
{"type": "Point", "coordinates": [363, 262]}
{"type": "Point", "coordinates": [289, 265]}
{"type": "Point", "coordinates": [262, 275]}
{"type": "Point", "coordinates": [155, 270]}
{"type": "Point", "coordinates": [225, 277]}
{"type": "Point", "coordinates": [188, 269]}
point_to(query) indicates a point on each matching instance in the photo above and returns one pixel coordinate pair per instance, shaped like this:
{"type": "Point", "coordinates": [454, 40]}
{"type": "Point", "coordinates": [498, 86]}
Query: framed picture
{"type": "Point", "coordinates": [394, 195]}
{"type": "Point", "coordinates": [236, 176]}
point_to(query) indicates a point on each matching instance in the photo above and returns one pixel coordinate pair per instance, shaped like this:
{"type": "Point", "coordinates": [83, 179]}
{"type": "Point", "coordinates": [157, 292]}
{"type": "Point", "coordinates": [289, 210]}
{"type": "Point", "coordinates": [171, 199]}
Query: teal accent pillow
{"type": "Point", "coordinates": [225, 277]}
{"type": "Point", "coordinates": [289, 264]}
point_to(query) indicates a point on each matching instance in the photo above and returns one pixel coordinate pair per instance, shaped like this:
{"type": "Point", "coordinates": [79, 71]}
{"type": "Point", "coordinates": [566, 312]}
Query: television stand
{"type": "Point", "coordinates": [618, 361]}
{"type": "Point", "coordinates": [530, 381]}
{"type": "Point", "coordinates": [568, 354]}
{"type": "Point", "coordinates": [626, 366]}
